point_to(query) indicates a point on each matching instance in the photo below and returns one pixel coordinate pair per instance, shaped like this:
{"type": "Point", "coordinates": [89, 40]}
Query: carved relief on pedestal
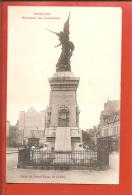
{"type": "Point", "coordinates": [63, 116]}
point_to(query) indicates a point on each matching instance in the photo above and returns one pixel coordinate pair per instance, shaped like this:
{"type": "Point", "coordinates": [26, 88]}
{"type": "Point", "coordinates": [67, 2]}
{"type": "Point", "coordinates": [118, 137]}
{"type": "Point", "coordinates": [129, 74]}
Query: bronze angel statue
{"type": "Point", "coordinates": [63, 63]}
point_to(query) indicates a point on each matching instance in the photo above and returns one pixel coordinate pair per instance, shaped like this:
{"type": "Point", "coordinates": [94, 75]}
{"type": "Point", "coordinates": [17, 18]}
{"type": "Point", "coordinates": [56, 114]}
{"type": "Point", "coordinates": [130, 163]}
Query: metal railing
{"type": "Point", "coordinates": [88, 159]}
{"type": "Point", "coordinates": [38, 157]}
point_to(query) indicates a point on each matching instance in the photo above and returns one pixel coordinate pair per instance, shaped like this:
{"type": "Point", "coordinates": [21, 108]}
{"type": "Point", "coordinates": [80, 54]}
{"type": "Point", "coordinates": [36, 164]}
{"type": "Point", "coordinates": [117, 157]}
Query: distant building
{"type": "Point", "coordinates": [7, 132]}
{"type": "Point", "coordinates": [110, 121]}
{"type": "Point", "coordinates": [31, 127]}
{"type": "Point", "coordinates": [13, 136]}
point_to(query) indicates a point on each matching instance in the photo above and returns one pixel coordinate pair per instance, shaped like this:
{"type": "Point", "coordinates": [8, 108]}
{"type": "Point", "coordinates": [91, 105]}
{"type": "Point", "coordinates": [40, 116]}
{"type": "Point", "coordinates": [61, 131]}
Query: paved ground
{"type": "Point", "coordinates": [15, 175]}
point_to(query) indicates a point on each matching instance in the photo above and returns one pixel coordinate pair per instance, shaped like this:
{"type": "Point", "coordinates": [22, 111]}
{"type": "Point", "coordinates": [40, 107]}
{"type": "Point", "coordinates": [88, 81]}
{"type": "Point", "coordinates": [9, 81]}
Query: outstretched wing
{"type": "Point", "coordinates": [66, 26]}
{"type": "Point", "coordinates": [53, 32]}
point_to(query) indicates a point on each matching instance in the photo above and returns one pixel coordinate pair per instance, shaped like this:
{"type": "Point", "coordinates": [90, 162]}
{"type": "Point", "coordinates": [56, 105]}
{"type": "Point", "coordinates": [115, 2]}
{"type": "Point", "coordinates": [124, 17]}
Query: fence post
{"type": "Point", "coordinates": [23, 157]}
{"type": "Point", "coordinates": [103, 151]}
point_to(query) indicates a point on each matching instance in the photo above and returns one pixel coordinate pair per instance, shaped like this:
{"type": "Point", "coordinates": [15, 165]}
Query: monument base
{"type": "Point", "coordinates": [63, 138]}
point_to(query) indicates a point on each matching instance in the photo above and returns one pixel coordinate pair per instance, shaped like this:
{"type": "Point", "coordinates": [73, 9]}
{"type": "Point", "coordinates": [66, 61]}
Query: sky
{"type": "Point", "coordinates": [32, 57]}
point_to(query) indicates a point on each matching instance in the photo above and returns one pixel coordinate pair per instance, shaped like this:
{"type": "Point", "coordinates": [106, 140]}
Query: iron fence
{"type": "Point", "coordinates": [88, 159]}
{"type": "Point", "coordinates": [63, 157]}
{"type": "Point", "coordinates": [38, 157]}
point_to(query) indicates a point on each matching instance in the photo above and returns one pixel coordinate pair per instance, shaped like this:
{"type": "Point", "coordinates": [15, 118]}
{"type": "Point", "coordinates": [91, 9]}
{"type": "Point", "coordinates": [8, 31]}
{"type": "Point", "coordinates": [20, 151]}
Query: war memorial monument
{"type": "Point", "coordinates": [63, 132]}
{"type": "Point", "coordinates": [63, 144]}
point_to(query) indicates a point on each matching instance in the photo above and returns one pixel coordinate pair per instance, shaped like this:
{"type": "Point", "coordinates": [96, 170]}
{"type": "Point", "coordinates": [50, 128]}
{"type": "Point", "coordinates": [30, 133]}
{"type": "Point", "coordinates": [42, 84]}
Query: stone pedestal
{"type": "Point", "coordinates": [63, 139]}
{"type": "Point", "coordinates": [63, 111]}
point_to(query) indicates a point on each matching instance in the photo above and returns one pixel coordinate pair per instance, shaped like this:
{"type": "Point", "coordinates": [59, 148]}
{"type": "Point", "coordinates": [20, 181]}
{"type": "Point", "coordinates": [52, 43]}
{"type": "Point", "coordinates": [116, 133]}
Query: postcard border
{"type": "Point", "coordinates": [124, 188]}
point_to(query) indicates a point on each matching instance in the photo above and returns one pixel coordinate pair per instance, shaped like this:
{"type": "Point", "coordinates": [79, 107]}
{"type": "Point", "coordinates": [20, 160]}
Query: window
{"type": "Point", "coordinates": [114, 130]}
{"type": "Point", "coordinates": [117, 130]}
{"type": "Point", "coordinates": [106, 132]}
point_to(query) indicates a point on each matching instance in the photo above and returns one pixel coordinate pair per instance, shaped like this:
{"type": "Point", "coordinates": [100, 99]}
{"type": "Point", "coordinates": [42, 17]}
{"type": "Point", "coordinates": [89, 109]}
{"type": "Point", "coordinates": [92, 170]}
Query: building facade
{"type": "Point", "coordinates": [31, 127]}
{"type": "Point", "coordinates": [13, 136]}
{"type": "Point", "coordinates": [110, 122]}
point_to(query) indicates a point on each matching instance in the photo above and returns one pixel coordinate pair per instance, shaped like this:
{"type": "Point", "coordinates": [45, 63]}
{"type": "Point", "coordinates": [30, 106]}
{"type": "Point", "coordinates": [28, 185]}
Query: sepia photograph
{"type": "Point", "coordinates": [63, 94]}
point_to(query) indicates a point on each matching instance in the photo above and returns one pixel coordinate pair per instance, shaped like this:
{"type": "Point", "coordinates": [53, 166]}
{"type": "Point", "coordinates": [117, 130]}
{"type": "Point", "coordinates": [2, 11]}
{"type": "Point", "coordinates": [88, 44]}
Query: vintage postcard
{"type": "Point", "coordinates": [63, 94]}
